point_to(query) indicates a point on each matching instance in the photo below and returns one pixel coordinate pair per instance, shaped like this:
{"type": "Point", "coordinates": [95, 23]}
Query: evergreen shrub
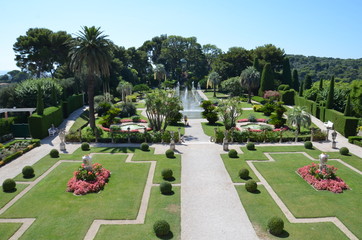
{"type": "Point", "coordinates": [54, 153]}
{"type": "Point", "coordinates": [166, 188]}
{"type": "Point", "coordinates": [308, 145]}
{"type": "Point", "coordinates": [244, 173]}
{"type": "Point", "coordinates": [167, 173]}
{"type": "Point", "coordinates": [344, 151]}
{"type": "Point", "coordinates": [170, 153]}
{"type": "Point", "coordinates": [251, 186]}
{"type": "Point", "coordinates": [28, 172]}
{"type": "Point", "coordinates": [9, 185]}
{"type": "Point", "coordinates": [275, 225]}
{"type": "Point", "coordinates": [145, 147]}
{"type": "Point", "coordinates": [85, 146]}
{"type": "Point", "coordinates": [161, 228]}
{"type": "Point", "coordinates": [233, 153]}
{"type": "Point", "coordinates": [250, 146]}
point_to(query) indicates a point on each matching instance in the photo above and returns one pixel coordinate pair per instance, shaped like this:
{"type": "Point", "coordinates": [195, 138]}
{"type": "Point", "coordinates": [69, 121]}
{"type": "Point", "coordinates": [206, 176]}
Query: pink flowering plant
{"type": "Point", "coordinates": [322, 180]}
{"type": "Point", "coordinates": [88, 179]}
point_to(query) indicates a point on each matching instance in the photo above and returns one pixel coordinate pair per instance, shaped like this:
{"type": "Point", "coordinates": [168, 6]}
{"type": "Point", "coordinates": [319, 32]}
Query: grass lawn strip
{"type": "Point", "coordinates": [279, 181]}
{"type": "Point", "coordinates": [8, 229]}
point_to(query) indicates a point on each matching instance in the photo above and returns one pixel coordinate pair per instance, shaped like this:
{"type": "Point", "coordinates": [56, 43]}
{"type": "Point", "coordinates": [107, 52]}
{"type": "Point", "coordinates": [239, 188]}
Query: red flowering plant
{"type": "Point", "coordinates": [88, 179]}
{"type": "Point", "coordinates": [325, 179]}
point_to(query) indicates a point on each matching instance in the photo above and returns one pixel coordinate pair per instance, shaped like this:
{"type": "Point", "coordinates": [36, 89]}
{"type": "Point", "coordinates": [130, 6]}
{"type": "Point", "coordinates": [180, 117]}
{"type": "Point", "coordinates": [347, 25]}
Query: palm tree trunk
{"type": "Point", "coordinates": [249, 95]}
{"type": "Point", "coordinates": [215, 90]}
{"type": "Point", "coordinates": [92, 121]}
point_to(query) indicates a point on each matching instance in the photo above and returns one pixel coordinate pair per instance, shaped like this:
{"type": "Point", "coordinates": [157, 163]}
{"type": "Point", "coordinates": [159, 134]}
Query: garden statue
{"type": "Point", "coordinates": [87, 161]}
{"type": "Point", "coordinates": [323, 158]}
{"type": "Point", "coordinates": [225, 143]}
{"type": "Point", "coordinates": [334, 135]}
{"type": "Point", "coordinates": [172, 141]}
{"type": "Point", "coordinates": [62, 138]}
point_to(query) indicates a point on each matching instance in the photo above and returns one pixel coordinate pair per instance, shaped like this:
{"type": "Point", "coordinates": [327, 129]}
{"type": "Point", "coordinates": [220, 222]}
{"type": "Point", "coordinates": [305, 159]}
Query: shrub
{"type": "Point", "coordinates": [85, 146]}
{"type": "Point", "coordinates": [251, 118]}
{"type": "Point", "coordinates": [166, 188]}
{"type": "Point", "coordinates": [308, 145]}
{"type": "Point", "coordinates": [275, 225]}
{"type": "Point", "coordinates": [145, 147]}
{"type": "Point", "coordinates": [283, 87]}
{"type": "Point", "coordinates": [244, 173]}
{"type": "Point", "coordinates": [251, 186]}
{"type": "Point", "coordinates": [54, 153]}
{"type": "Point", "coordinates": [259, 99]}
{"type": "Point", "coordinates": [352, 139]}
{"type": "Point", "coordinates": [9, 185]}
{"type": "Point", "coordinates": [170, 153]}
{"type": "Point", "coordinates": [233, 153]}
{"type": "Point", "coordinates": [127, 109]}
{"type": "Point", "coordinates": [257, 108]}
{"type": "Point", "coordinates": [28, 172]}
{"type": "Point", "coordinates": [250, 146]}
{"type": "Point", "coordinates": [167, 173]}
{"type": "Point", "coordinates": [103, 108]}
{"type": "Point", "coordinates": [268, 108]}
{"type": "Point", "coordinates": [344, 151]}
{"type": "Point", "coordinates": [136, 118]}
{"type": "Point", "coordinates": [161, 228]}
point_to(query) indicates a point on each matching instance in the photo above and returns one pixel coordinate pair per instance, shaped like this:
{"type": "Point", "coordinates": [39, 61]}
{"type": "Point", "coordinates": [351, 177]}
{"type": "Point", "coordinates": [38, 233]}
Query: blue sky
{"type": "Point", "coordinates": [325, 28]}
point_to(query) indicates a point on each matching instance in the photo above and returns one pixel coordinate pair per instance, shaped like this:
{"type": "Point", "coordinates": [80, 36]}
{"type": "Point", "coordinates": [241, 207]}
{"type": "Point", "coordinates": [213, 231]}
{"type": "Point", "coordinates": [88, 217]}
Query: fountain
{"type": "Point", "coordinates": [191, 101]}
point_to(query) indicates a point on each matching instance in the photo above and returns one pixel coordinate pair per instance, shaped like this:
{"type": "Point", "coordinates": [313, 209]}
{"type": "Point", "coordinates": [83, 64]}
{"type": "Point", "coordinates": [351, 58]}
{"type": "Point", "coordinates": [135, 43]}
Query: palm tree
{"type": "Point", "coordinates": [299, 117]}
{"type": "Point", "coordinates": [90, 55]}
{"type": "Point", "coordinates": [250, 79]}
{"type": "Point", "coordinates": [159, 73]}
{"type": "Point", "coordinates": [214, 78]}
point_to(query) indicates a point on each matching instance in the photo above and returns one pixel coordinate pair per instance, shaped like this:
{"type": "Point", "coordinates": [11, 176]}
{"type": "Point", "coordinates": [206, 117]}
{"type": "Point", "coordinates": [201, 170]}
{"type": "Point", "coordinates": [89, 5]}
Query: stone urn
{"type": "Point", "coordinates": [323, 158]}
{"type": "Point", "coordinates": [87, 161]}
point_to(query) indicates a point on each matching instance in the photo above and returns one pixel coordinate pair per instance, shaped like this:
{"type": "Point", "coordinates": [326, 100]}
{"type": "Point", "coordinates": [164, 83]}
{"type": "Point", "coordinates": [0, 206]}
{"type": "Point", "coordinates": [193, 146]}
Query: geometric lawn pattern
{"type": "Point", "coordinates": [256, 165]}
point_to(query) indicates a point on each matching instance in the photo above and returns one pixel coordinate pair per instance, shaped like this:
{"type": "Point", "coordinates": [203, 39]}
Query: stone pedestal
{"type": "Point", "coordinates": [334, 144]}
{"type": "Point", "coordinates": [225, 144]}
{"type": "Point", "coordinates": [62, 146]}
{"type": "Point", "coordinates": [172, 145]}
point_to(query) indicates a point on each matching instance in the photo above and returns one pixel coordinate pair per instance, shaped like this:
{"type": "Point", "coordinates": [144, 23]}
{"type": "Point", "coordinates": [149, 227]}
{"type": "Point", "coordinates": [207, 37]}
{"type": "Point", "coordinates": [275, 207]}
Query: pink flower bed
{"type": "Point", "coordinates": [336, 184]}
{"type": "Point", "coordinates": [247, 120]}
{"type": "Point", "coordinates": [130, 120]}
{"type": "Point", "coordinates": [82, 187]}
{"type": "Point", "coordinates": [132, 131]}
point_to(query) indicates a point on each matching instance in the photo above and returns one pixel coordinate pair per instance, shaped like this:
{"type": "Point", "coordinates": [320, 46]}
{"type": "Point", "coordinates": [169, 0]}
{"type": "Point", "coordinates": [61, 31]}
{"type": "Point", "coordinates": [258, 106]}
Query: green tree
{"type": "Point", "coordinates": [307, 82]}
{"type": "Point", "coordinates": [124, 89]}
{"type": "Point", "coordinates": [295, 80]}
{"type": "Point", "coordinates": [249, 79]}
{"type": "Point", "coordinates": [229, 110]}
{"type": "Point", "coordinates": [90, 55]}
{"type": "Point", "coordinates": [40, 101]}
{"type": "Point", "coordinates": [231, 86]}
{"type": "Point", "coordinates": [211, 53]}
{"type": "Point", "coordinates": [214, 79]}
{"type": "Point", "coordinates": [161, 108]}
{"type": "Point", "coordinates": [209, 112]}
{"type": "Point", "coordinates": [347, 109]}
{"type": "Point", "coordinates": [301, 89]}
{"type": "Point", "coordinates": [321, 84]}
{"type": "Point", "coordinates": [159, 73]}
{"type": "Point", "coordinates": [256, 65]}
{"type": "Point", "coordinates": [287, 75]}
{"type": "Point", "coordinates": [330, 101]}
{"type": "Point", "coordinates": [356, 96]}
{"type": "Point", "coordinates": [269, 54]}
{"type": "Point", "coordinates": [267, 80]}
{"type": "Point", "coordinates": [299, 117]}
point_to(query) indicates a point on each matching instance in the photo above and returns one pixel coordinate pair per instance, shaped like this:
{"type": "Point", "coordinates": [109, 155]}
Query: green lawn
{"type": "Point", "coordinates": [8, 229]}
{"type": "Point", "coordinates": [233, 165]}
{"type": "Point", "coordinates": [5, 197]}
{"type": "Point", "coordinates": [209, 129]}
{"type": "Point", "coordinates": [210, 95]}
{"type": "Point", "coordinates": [261, 207]}
{"type": "Point", "coordinates": [247, 113]}
{"type": "Point", "coordinates": [80, 121]}
{"type": "Point", "coordinates": [57, 210]}
{"type": "Point", "coordinates": [140, 105]}
{"type": "Point", "coordinates": [166, 207]}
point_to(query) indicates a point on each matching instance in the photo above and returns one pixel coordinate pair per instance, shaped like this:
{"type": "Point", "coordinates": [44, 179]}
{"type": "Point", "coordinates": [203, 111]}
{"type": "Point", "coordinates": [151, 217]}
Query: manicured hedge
{"type": "Point", "coordinates": [71, 104]}
{"type": "Point", "coordinates": [345, 125]}
{"type": "Point", "coordinates": [301, 101]}
{"type": "Point", "coordinates": [288, 97]}
{"type": "Point", "coordinates": [5, 125]}
{"type": "Point", "coordinates": [36, 143]}
{"type": "Point", "coordinates": [39, 124]}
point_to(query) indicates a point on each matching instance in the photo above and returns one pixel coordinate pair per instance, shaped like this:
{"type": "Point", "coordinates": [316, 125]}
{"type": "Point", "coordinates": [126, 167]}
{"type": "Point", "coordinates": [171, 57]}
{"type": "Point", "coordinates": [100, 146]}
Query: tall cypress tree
{"type": "Point", "coordinates": [53, 96]}
{"type": "Point", "coordinates": [307, 82]}
{"type": "Point", "coordinates": [321, 84]}
{"type": "Point", "coordinates": [301, 89]}
{"type": "Point", "coordinates": [256, 64]}
{"type": "Point", "coordinates": [39, 101]}
{"type": "Point", "coordinates": [347, 109]}
{"type": "Point", "coordinates": [267, 80]}
{"type": "Point", "coordinates": [330, 94]}
{"type": "Point", "coordinates": [295, 80]}
{"type": "Point", "coordinates": [287, 74]}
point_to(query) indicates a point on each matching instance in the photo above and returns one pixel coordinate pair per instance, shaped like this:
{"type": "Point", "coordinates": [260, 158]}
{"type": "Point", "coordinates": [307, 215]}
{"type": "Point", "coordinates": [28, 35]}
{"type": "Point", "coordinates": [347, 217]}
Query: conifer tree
{"type": "Point", "coordinates": [347, 110]}
{"type": "Point", "coordinates": [307, 82]}
{"type": "Point", "coordinates": [54, 96]}
{"type": "Point", "coordinates": [301, 89]}
{"type": "Point", "coordinates": [330, 95]}
{"type": "Point", "coordinates": [256, 64]}
{"type": "Point", "coordinates": [287, 75]}
{"type": "Point", "coordinates": [321, 84]}
{"type": "Point", "coordinates": [267, 80]}
{"type": "Point", "coordinates": [40, 101]}
{"type": "Point", "coordinates": [295, 80]}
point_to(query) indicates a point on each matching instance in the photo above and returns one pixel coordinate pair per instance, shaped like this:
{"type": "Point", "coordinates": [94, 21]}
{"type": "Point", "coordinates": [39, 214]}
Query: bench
{"type": "Point", "coordinates": [52, 131]}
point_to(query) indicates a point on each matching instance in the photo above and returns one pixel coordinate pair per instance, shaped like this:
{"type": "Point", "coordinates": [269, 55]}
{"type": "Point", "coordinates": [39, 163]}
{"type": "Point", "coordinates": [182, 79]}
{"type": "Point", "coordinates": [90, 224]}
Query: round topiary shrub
{"type": "Point", "coordinates": [233, 153]}
{"type": "Point", "coordinates": [344, 151]}
{"type": "Point", "coordinates": [167, 173]}
{"type": "Point", "coordinates": [161, 228]}
{"type": "Point", "coordinates": [250, 146]}
{"type": "Point", "coordinates": [275, 225]}
{"type": "Point", "coordinates": [166, 188]}
{"type": "Point", "coordinates": [170, 153]}
{"type": "Point", "coordinates": [145, 147]}
{"type": "Point", "coordinates": [9, 185]}
{"type": "Point", "coordinates": [28, 172]}
{"type": "Point", "coordinates": [244, 173]}
{"type": "Point", "coordinates": [251, 186]}
{"type": "Point", "coordinates": [308, 145]}
{"type": "Point", "coordinates": [54, 153]}
{"type": "Point", "coordinates": [85, 146]}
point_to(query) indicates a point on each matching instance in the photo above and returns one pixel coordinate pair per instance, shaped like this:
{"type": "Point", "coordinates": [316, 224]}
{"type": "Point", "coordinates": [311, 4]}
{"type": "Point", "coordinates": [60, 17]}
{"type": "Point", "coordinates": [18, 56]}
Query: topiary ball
{"type": "Point", "coordinates": [145, 147]}
{"type": "Point", "coordinates": [9, 185]}
{"type": "Point", "coordinates": [161, 228]}
{"type": "Point", "coordinates": [244, 173]}
{"type": "Point", "coordinates": [344, 151]}
{"type": "Point", "coordinates": [170, 153]}
{"type": "Point", "coordinates": [85, 146]}
{"type": "Point", "coordinates": [166, 188]}
{"type": "Point", "coordinates": [54, 153]}
{"type": "Point", "coordinates": [233, 153]}
{"type": "Point", "coordinates": [167, 173]}
{"type": "Point", "coordinates": [28, 172]}
{"type": "Point", "coordinates": [275, 225]}
{"type": "Point", "coordinates": [308, 145]}
{"type": "Point", "coordinates": [250, 146]}
{"type": "Point", "coordinates": [251, 186]}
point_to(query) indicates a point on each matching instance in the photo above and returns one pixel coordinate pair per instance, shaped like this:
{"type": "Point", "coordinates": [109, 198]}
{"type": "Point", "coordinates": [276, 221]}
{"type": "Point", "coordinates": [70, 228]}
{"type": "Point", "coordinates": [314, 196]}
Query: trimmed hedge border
{"type": "Point", "coordinates": [35, 143]}
{"type": "Point", "coordinates": [39, 124]}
